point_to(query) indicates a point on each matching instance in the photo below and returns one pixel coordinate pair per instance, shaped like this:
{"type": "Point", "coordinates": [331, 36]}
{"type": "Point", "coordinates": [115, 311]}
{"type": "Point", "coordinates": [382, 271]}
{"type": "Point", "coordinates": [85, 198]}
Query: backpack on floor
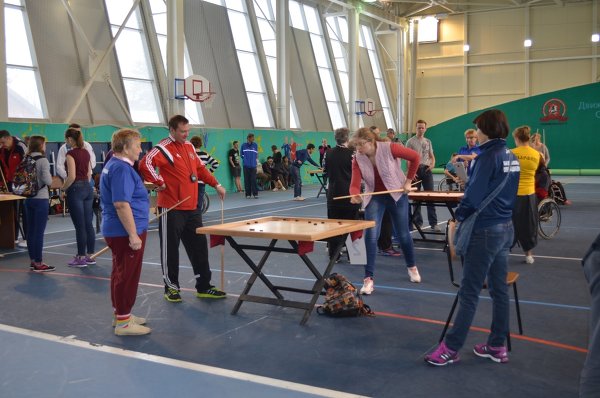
{"type": "Point", "coordinates": [342, 299]}
{"type": "Point", "coordinates": [25, 182]}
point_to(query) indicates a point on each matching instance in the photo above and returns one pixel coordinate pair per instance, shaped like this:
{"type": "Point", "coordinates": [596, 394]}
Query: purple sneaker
{"type": "Point", "coordinates": [391, 252]}
{"type": "Point", "coordinates": [78, 262]}
{"type": "Point", "coordinates": [496, 354]}
{"type": "Point", "coordinates": [442, 356]}
{"type": "Point", "coordinates": [89, 260]}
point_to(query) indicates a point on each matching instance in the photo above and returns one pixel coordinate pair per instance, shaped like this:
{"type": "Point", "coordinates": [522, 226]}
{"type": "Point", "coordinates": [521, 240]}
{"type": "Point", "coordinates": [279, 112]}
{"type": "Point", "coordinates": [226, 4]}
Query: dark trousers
{"type": "Point", "coordinates": [250, 183]}
{"type": "Point", "coordinates": [37, 212]}
{"type": "Point", "coordinates": [126, 270]}
{"type": "Point", "coordinates": [525, 219]}
{"type": "Point", "coordinates": [385, 236]}
{"type": "Point", "coordinates": [341, 213]}
{"type": "Point", "coordinates": [176, 226]}
{"type": "Point", "coordinates": [80, 197]}
{"type": "Point", "coordinates": [589, 385]}
{"type": "Point", "coordinates": [426, 184]}
{"type": "Point", "coordinates": [20, 219]}
{"type": "Point", "coordinates": [201, 191]}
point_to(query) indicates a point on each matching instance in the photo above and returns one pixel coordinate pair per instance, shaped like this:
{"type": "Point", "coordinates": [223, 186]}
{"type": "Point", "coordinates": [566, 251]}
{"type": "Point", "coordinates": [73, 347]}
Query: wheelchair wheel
{"type": "Point", "coordinates": [448, 185]}
{"type": "Point", "coordinates": [205, 203]}
{"type": "Point", "coordinates": [549, 218]}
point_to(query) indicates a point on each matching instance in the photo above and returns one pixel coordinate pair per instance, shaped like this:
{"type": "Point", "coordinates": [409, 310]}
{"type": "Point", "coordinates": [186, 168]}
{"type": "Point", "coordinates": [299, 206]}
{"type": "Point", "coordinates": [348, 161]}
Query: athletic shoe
{"type": "Point", "coordinates": [529, 259]}
{"type": "Point", "coordinates": [172, 295]}
{"type": "Point", "coordinates": [391, 252]}
{"type": "Point", "coordinates": [442, 356]}
{"type": "Point", "coordinates": [255, 196]}
{"type": "Point", "coordinates": [78, 262]}
{"type": "Point", "coordinates": [247, 197]}
{"type": "Point", "coordinates": [211, 292]}
{"type": "Point", "coordinates": [132, 329]}
{"type": "Point", "coordinates": [89, 260]}
{"type": "Point", "coordinates": [435, 228]}
{"type": "Point", "coordinates": [22, 244]}
{"type": "Point", "coordinates": [413, 274]}
{"type": "Point", "coordinates": [283, 188]}
{"type": "Point", "coordinates": [42, 267]}
{"type": "Point", "coordinates": [368, 286]}
{"type": "Point", "coordinates": [138, 320]}
{"type": "Point", "coordinates": [300, 198]}
{"type": "Point", "coordinates": [275, 189]}
{"type": "Point", "coordinates": [496, 354]}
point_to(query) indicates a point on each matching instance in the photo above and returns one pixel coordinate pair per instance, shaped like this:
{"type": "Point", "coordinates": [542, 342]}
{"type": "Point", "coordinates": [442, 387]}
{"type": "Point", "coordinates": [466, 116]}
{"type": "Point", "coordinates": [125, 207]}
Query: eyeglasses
{"type": "Point", "coordinates": [361, 143]}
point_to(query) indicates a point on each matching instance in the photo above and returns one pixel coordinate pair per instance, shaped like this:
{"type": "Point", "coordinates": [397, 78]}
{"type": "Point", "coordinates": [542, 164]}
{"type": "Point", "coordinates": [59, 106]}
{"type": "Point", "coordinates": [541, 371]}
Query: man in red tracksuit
{"type": "Point", "coordinates": [179, 170]}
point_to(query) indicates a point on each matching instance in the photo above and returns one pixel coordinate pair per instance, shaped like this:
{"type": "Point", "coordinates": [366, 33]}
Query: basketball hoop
{"type": "Point", "coordinates": [365, 107]}
{"type": "Point", "coordinates": [196, 88]}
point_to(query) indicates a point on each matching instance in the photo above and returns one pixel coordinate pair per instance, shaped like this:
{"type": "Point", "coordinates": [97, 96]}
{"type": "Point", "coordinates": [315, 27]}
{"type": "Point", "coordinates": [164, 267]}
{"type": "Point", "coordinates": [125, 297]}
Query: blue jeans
{"type": "Point", "coordinates": [295, 171]}
{"type": "Point", "coordinates": [399, 214]}
{"type": "Point", "coordinates": [80, 198]}
{"type": "Point", "coordinates": [487, 256]}
{"type": "Point", "coordinates": [37, 218]}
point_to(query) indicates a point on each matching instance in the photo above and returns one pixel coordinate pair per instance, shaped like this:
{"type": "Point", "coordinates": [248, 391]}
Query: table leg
{"type": "Point", "coordinates": [256, 272]}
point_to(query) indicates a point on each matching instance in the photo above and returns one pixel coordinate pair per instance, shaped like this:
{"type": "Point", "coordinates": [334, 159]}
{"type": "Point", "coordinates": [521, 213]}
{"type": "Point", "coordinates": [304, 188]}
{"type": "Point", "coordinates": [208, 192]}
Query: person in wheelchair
{"type": "Point", "coordinates": [453, 182]}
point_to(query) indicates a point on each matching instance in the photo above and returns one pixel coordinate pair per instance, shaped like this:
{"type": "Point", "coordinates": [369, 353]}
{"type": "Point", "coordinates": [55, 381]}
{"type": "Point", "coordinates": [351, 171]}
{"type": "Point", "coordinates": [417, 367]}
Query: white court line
{"type": "Point", "coordinates": [247, 377]}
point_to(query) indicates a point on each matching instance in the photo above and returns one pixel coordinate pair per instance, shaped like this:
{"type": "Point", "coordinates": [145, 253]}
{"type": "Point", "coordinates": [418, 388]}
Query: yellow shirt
{"type": "Point", "coordinates": [529, 159]}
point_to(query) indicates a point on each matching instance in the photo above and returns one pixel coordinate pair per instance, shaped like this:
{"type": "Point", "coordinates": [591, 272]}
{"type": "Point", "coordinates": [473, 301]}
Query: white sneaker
{"type": "Point", "coordinates": [22, 243]}
{"type": "Point", "coordinates": [275, 189]}
{"type": "Point", "coordinates": [283, 188]}
{"type": "Point", "coordinates": [529, 259]}
{"type": "Point", "coordinates": [413, 273]}
{"type": "Point", "coordinates": [368, 286]}
{"type": "Point", "coordinates": [299, 198]}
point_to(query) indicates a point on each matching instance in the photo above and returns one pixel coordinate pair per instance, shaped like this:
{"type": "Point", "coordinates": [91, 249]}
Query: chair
{"type": "Point", "coordinates": [511, 280]}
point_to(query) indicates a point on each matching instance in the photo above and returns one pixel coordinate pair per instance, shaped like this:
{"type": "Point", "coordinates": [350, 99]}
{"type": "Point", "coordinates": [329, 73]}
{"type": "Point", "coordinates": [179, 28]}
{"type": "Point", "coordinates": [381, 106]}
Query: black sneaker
{"type": "Point", "coordinates": [172, 295]}
{"type": "Point", "coordinates": [211, 292]}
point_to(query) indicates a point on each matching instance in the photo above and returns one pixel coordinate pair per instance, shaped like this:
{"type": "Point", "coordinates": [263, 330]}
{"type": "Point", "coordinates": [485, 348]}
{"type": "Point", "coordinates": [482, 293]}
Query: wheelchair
{"type": "Point", "coordinates": [448, 184]}
{"type": "Point", "coordinates": [549, 216]}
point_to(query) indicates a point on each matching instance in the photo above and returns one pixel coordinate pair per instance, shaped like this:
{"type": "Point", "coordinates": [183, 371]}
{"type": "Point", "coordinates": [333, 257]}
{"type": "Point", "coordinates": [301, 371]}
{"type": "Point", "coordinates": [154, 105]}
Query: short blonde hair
{"type": "Point", "coordinates": [123, 138]}
{"type": "Point", "coordinates": [470, 131]}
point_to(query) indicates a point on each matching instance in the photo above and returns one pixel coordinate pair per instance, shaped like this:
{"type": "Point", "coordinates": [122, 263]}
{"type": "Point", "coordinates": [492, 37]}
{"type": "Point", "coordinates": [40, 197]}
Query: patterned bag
{"type": "Point", "coordinates": [342, 299]}
{"type": "Point", "coordinates": [25, 181]}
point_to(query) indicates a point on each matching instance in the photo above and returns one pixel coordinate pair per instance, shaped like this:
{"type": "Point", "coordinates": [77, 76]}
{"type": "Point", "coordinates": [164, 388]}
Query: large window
{"type": "Point", "coordinates": [338, 34]}
{"type": "Point", "coordinates": [266, 18]}
{"type": "Point", "coordinates": [249, 63]}
{"type": "Point", "coordinates": [307, 18]}
{"type": "Point", "coordinates": [193, 110]}
{"type": "Point", "coordinates": [25, 99]}
{"type": "Point", "coordinates": [134, 61]}
{"type": "Point", "coordinates": [367, 39]}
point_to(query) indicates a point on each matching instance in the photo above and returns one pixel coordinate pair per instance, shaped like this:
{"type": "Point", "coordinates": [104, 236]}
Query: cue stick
{"type": "Point", "coordinates": [222, 254]}
{"type": "Point", "coordinates": [105, 249]}
{"type": "Point", "coordinates": [4, 181]}
{"type": "Point", "coordinates": [376, 193]}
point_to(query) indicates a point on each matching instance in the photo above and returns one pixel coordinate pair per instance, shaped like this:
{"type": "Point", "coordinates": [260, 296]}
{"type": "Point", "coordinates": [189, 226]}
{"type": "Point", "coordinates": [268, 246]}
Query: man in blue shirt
{"type": "Point", "coordinates": [302, 156]}
{"type": "Point", "coordinates": [249, 153]}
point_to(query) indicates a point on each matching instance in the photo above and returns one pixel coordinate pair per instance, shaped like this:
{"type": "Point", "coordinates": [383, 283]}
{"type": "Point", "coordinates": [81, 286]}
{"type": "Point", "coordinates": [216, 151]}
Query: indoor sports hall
{"type": "Point", "coordinates": [276, 79]}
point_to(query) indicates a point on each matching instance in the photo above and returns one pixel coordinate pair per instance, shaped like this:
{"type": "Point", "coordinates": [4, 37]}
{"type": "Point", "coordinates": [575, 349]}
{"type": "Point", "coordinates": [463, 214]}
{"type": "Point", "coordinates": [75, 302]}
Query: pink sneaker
{"type": "Point", "coordinates": [368, 286]}
{"type": "Point", "coordinates": [442, 356]}
{"type": "Point", "coordinates": [496, 354]}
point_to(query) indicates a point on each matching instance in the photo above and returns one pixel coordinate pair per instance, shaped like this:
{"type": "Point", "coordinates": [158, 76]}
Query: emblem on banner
{"type": "Point", "coordinates": [554, 109]}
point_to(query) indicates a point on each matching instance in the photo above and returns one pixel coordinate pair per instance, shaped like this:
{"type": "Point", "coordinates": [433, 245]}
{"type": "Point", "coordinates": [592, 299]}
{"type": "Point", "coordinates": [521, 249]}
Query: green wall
{"type": "Point", "coordinates": [217, 142]}
{"type": "Point", "coordinates": [574, 143]}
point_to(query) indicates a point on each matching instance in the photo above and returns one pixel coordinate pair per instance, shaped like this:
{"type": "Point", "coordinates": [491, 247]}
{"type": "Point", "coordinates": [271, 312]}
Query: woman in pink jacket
{"type": "Point", "coordinates": [378, 164]}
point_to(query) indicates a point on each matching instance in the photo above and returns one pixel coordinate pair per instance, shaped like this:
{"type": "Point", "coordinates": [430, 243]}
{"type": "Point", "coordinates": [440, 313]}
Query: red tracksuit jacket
{"type": "Point", "coordinates": [176, 164]}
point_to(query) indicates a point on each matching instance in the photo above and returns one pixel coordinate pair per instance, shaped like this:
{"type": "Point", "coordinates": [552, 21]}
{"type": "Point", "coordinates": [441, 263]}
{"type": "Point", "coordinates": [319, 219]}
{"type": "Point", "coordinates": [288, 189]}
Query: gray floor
{"type": "Point", "coordinates": [379, 356]}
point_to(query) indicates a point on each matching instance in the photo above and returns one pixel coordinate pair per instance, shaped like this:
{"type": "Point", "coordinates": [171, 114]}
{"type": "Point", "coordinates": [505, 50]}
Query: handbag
{"type": "Point", "coordinates": [464, 230]}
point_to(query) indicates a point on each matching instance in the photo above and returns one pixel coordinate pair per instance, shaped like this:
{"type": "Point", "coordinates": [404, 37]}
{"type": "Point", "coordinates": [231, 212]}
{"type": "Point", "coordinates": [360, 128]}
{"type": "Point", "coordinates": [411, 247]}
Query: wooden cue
{"type": "Point", "coordinates": [376, 193]}
{"type": "Point", "coordinates": [4, 181]}
{"type": "Point", "coordinates": [105, 249]}
{"type": "Point", "coordinates": [222, 254]}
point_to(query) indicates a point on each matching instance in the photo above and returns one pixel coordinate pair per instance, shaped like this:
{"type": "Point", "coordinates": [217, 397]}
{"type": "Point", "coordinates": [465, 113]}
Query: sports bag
{"type": "Point", "coordinates": [342, 299]}
{"type": "Point", "coordinates": [25, 181]}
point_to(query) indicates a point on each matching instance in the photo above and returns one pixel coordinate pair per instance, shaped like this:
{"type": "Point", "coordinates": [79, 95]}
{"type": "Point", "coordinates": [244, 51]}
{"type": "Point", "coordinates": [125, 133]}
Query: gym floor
{"type": "Point", "coordinates": [57, 339]}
